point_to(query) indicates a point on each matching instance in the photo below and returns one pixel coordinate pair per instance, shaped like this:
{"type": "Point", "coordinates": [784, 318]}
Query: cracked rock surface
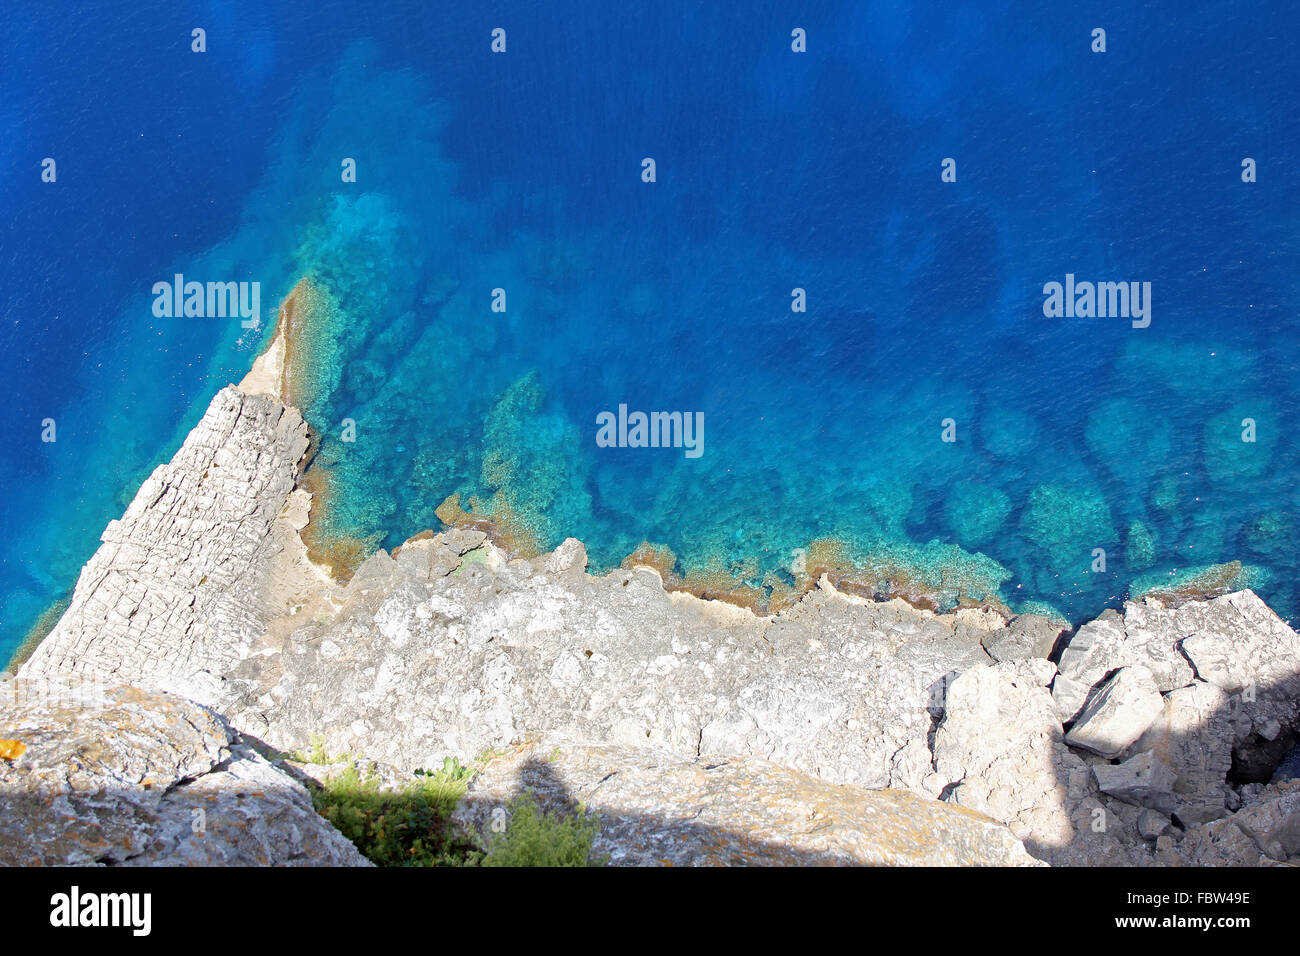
{"type": "Point", "coordinates": [177, 590]}
{"type": "Point", "coordinates": [121, 776]}
{"type": "Point", "coordinates": [418, 665]}
{"type": "Point", "coordinates": [659, 809]}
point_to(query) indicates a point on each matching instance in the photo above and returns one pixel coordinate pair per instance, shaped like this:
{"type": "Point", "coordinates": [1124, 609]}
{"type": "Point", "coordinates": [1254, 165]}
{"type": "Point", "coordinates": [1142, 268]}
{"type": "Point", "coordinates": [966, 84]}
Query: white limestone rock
{"type": "Point", "coordinates": [998, 751]}
{"type": "Point", "coordinates": [660, 809]}
{"type": "Point", "coordinates": [1117, 713]}
{"type": "Point", "coordinates": [179, 589]}
{"type": "Point", "coordinates": [1141, 780]}
{"type": "Point", "coordinates": [122, 776]}
{"type": "Point", "coordinates": [1112, 641]}
{"type": "Point", "coordinates": [1193, 736]}
{"type": "Point", "coordinates": [1026, 636]}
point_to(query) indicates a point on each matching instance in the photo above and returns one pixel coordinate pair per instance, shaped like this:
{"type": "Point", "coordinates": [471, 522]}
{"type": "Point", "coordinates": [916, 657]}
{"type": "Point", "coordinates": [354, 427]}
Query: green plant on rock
{"type": "Point", "coordinates": [405, 827]}
{"type": "Point", "coordinates": [317, 754]}
{"type": "Point", "coordinates": [534, 837]}
{"type": "Point", "coordinates": [447, 783]}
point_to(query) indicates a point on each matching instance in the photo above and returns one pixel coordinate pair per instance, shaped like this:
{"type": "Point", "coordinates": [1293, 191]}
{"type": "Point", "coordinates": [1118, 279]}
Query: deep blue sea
{"type": "Point", "coordinates": [775, 170]}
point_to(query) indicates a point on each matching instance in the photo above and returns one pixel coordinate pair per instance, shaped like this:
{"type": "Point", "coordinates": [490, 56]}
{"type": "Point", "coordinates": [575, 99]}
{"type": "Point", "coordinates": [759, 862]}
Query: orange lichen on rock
{"type": "Point", "coordinates": [12, 749]}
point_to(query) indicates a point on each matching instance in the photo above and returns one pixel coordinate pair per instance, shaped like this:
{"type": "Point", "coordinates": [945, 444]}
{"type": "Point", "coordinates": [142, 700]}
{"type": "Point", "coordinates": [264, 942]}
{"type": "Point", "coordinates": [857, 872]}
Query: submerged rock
{"type": "Point", "coordinates": [1239, 442]}
{"type": "Point", "coordinates": [1071, 519]}
{"type": "Point", "coordinates": [1009, 432]}
{"type": "Point", "coordinates": [1124, 436]}
{"type": "Point", "coordinates": [1140, 547]}
{"type": "Point", "coordinates": [976, 513]}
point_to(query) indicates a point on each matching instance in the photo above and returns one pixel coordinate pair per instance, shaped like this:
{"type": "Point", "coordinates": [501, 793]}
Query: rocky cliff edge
{"type": "Point", "coordinates": [697, 731]}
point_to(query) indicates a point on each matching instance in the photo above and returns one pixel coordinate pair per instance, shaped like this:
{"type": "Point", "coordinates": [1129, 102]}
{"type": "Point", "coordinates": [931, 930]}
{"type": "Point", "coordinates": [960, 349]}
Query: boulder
{"type": "Point", "coordinates": [1236, 642]}
{"type": "Point", "coordinates": [1264, 833]}
{"type": "Point", "coordinates": [1193, 736]}
{"type": "Point", "coordinates": [122, 776]}
{"type": "Point", "coordinates": [1152, 823]}
{"type": "Point", "coordinates": [998, 751]}
{"type": "Point", "coordinates": [1117, 713]}
{"type": "Point", "coordinates": [1069, 696]}
{"type": "Point", "coordinates": [1112, 641]}
{"type": "Point", "coordinates": [1142, 780]}
{"type": "Point", "coordinates": [570, 555]}
{"type": "Point", "coordinates": [1027, 635]}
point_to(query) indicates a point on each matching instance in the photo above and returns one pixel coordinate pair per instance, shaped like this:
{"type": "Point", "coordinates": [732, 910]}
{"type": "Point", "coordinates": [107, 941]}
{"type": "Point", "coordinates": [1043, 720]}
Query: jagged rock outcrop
{"type": "Point", "coordinates": [1117, 713]}
{"type": "Point", "coordinates": [1025, 637]}
{"type": "Point", "coordinates": [660, 809]}
{"type": "Point", "coordinates": [121, 776]}
{"type": "Point", "coordinates": [1194, 737]}
{"type": "Point", "coordinates": [1142, 780]}
{"type": "Point", "coordinates": [999, 751]}
{"type": "Point", "coordinates": [1136, 740]}
{"type": "Point", "coordinates": [181, 587]}
{"type": "Point", "coordinates": [1003, 750]}
{"type": "Point", "coordinates": [1264, 832]}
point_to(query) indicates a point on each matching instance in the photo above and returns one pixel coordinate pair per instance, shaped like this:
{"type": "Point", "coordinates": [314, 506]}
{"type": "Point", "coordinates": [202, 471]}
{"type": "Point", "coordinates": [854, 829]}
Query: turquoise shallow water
{"type": "Point", "coordinates": [775, 171]}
